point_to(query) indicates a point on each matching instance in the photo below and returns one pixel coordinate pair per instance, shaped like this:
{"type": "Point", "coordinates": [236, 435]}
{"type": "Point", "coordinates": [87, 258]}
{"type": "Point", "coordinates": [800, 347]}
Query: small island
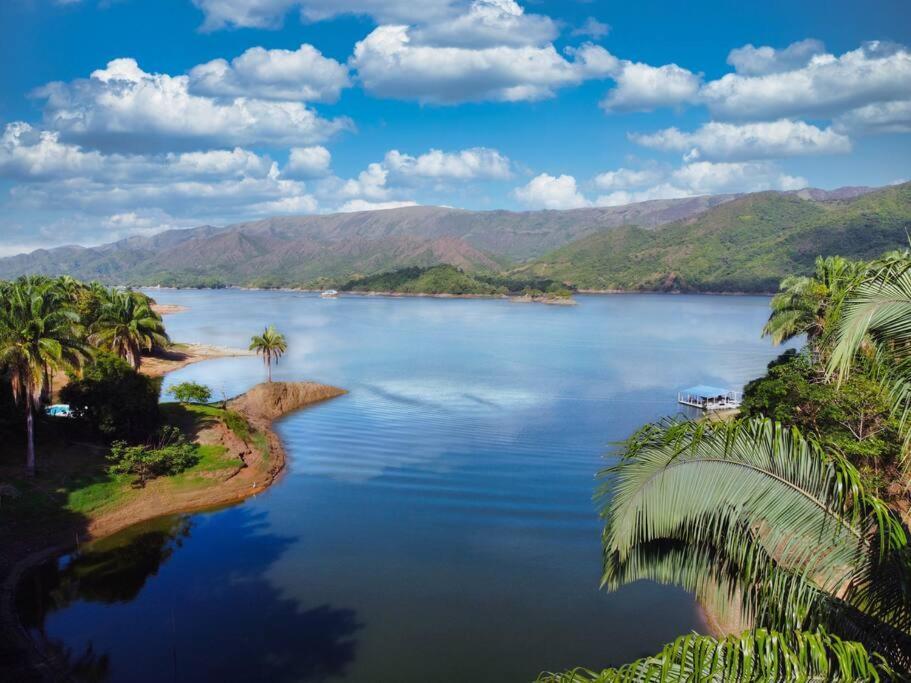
{"type": "Point", "coordinates": [449, 281]}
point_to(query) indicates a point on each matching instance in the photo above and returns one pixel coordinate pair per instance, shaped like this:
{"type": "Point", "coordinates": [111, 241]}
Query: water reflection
{"type": "Point", "coordinates": [187, 632]}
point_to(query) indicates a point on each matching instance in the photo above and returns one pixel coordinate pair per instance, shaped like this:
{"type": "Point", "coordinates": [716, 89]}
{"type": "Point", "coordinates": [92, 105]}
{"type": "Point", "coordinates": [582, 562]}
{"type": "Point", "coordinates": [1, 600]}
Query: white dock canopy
{"type": "Point", "coordinates": [710, 398]}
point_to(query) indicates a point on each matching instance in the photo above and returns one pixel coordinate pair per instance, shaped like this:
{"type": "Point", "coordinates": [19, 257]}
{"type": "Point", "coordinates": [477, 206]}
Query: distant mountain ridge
{"type": "Point", "coordinates": [746, 245]}
{"type": "Point", "coordinates": [295, 249]}
{"type": "Point", "coordinates": [322, 249]}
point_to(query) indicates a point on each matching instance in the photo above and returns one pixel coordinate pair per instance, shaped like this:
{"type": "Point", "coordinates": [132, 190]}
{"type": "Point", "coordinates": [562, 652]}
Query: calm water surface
{"type": "Point", "coordinates": [436, 523]}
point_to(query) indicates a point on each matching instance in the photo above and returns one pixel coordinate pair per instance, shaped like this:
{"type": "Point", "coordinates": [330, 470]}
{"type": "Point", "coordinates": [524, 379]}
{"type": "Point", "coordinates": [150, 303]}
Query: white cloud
{"type": "Point", "coordinates": [549, 192]}
{"type": "Point", "coordinates": [27, 153]}
{"type": "Point", "coordinates": [698, 178]}
{"type": "Point", "coordinates": [391, 64]}
{"type": "Point", "coordinates": [592, 28]}
{"type": "Point", "coordinates": [363, 205]}
{"type": "Point", "coordinates": [642, 87]}
{"type": "Point", "coordinates": [882, 117]}
{"type": "Point", "coordinates": [467, 164]}
{"type": "Point", "coordinates": [134, 192]}
{"type": "Point", "coordinates": [714, 140]}
{"type": "Point", "coordinates": [308, 162]}
{"type": "Point", "coordinates": [303, 74]}
{"type": "Point", "coordinates": [488, 23]}
{"type": "Point", "coordinates": [370, 184]}
{"type": "Point", "coordinates": [270, 13]}
{"type": "Point", "coordinates": [123, 107]}
{"type": "Point", "coordinates": [755, 61]}
{"type": "Point", "coordinates": [625, 178]}
{"type": "Point", "coordinates": [826, 86]}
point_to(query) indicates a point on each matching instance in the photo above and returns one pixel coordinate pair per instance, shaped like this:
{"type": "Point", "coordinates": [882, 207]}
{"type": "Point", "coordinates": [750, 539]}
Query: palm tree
{"type": "Point", "coordinates": [127, 326]}
{"type": "Point", "coordinates": [756, 516]}
{"type": "Point", "coordinates": [270, 345]}
{"type": "Point", "coordinates": [38, 331]}
{"type": "Point", "coordinates": [876, 323]}
{"type": "Point", "coordinates": [760, 656]}
{"type": "Point", "coordinates": [810, 305]}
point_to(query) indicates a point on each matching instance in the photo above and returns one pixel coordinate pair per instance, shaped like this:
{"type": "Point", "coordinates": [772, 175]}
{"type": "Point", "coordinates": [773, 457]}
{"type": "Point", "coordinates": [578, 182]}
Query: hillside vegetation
{"type": "Point", "coordinates": [447, 279]}
{"type": "Point", "coordinates": [722, 243]}
{"type": "Point", "coordinates": [746, 245]}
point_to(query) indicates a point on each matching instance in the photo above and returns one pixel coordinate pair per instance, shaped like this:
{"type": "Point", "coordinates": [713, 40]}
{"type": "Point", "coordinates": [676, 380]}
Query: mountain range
{"type": "Point", "coordinates": [710, 243]}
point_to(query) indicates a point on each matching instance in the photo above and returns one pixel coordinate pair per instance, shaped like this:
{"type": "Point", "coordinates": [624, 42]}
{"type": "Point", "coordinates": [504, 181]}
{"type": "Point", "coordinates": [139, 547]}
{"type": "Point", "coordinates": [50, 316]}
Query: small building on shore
{"type": "Point", "coordinates": [707, 397]}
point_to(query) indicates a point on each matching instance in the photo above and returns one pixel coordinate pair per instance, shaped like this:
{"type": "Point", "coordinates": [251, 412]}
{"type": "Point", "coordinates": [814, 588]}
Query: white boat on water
{"type": "Point", "coordinates": [329, 294]}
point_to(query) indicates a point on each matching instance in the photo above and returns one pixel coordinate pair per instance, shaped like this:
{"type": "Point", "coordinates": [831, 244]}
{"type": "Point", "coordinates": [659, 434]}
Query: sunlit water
{"type": "Point", "coordinates": [436, 523]}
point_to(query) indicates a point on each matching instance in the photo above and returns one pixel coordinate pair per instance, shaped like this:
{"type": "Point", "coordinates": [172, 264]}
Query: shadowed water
{"type": "Point", "coordinates": [436, 523]}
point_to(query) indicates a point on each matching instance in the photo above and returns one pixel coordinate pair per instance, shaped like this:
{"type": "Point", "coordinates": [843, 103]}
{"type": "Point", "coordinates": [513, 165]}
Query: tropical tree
{"type": "Point", "coordinates": [875, 328]}
{"type": "Point", "coordinates": [126, 326]}
{"type": "Point", "coordinates": [39, 331]}
{"type": "Point", "coordinates": [810, 305]}
{"type": "Point", "coordinates": [757, 518]}
{"type": "Point", "coordinates": [270, 345]}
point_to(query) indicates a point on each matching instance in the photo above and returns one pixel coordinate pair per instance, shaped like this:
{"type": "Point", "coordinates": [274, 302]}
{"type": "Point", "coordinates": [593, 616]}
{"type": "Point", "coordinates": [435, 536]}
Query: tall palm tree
{"type": "Point", "coordinates": [270, 345]}
{"type": "Point", "coordinates": [127, 326]}
{"type": "Point", "coordinates": [39, 330]}
{"type": "Point", "coordinates": [757, 515]}
{"type": "Point", "coordinates": [810, 305]}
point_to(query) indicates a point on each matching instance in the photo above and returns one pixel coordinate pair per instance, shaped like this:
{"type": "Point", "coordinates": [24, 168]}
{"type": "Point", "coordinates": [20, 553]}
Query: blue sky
{"type": "Point", "coordinates": [124, 117]}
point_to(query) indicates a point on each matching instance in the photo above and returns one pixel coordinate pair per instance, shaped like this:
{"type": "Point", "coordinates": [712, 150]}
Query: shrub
{"type": "Point", "coordinates": [191, 392]}
{"type": "Point", "coordinates": [114, 400]}
{"type": "Point", "coordinates": [854, 418]}
{"type": "Point", "coordinates": [171, 454]}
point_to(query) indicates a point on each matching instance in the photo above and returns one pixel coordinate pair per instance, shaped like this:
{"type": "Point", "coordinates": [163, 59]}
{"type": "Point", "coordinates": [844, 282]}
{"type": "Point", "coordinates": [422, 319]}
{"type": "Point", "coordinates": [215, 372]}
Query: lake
{"type": "Point", "coordinates": [436, 523]}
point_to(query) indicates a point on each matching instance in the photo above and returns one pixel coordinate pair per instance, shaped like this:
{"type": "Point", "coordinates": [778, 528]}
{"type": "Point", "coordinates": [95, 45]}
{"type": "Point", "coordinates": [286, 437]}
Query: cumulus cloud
{"type": "Point", "coordinates": [135, 192]}
{"type": "Point", "coordinates": [881, 117]}
{"type": "Point", "coordinates": [303, 74]}
{"type": "Point", "coordinates": [487, 23]}
{"type": "Point", "coordinates": [592, 28]}
{"type": "Point", "coordinates": [756, 61]}
{"type": "Point", "coordinates": [826, 86]}
{"type": "Point", "coordinates": [271, 13]}
{"type": "Point", "coordinates": [391, 64]}
{"type": "Point", "coordinates": [123, 107]}
{"type": "Point", "coordinates": [643, 87]}
{"type": "Point", "coordinates": [714, 140]}
{"type": "Point", "coordinates": [363, 205]}
{"type": "Point", "coordinates": [697, 178]}
{"type": "Point", "coordinates": [551, 192]}
{"type": "Point", "coordinates": [625, 178]}
{"type": "Point", "coordinates": [308, 162]}
{"type": "Point", "coordinates": [467, 164]}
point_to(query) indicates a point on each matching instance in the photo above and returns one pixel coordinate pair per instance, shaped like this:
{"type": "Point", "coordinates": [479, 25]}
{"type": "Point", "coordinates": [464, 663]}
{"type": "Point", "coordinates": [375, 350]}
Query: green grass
{"type": "Point", "coordinates": [105, 491]}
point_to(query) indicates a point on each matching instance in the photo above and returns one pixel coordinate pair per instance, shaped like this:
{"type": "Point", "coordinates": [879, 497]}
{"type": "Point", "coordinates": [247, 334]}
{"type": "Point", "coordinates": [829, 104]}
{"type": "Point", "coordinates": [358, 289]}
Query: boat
{"type": "Point", "coordinates": [58, 410]}
{"type": "Point", "coordinates": [329, 294]}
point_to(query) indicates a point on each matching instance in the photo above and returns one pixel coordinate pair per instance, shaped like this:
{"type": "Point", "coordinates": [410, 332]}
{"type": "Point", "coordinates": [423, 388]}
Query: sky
{"type": "Point", "coordinates": [127, 117]}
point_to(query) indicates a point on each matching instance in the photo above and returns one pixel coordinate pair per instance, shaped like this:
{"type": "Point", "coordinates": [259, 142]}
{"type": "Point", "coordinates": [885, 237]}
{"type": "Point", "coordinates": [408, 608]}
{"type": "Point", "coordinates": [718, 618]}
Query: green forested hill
{"type": "Point", "coordinates": [747, 245]}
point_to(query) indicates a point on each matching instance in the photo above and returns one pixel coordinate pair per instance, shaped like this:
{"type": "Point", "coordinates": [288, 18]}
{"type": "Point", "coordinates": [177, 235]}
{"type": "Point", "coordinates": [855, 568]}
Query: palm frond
{"type": "Point", "coordinates": [759, 655]}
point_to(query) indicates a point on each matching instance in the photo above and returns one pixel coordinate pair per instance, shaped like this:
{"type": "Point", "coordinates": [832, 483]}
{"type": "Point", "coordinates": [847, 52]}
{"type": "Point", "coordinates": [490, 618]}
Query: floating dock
{"type": "Point", "coordinates": [707, 397]}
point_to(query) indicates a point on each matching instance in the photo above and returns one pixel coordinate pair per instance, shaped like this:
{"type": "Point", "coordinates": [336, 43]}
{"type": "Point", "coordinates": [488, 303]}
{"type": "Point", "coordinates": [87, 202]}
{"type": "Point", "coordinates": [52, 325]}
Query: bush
{"type": "Point", "coordinates": [172, 454]}
{"type": "Point", "coordinates": [114, 400]}
{"type": "Point", "coordinates": [191, 392]}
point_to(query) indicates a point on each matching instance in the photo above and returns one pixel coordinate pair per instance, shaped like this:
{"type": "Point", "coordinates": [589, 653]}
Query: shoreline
{"type": "Point", "coordinates": [585, 292]}
{"type": "Point", "coordinates": [262, 405]}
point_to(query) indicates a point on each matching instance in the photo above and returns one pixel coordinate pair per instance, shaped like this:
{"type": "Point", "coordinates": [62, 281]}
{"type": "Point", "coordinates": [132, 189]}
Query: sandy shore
{"type": "Point", "coordinates": [169, 309]}
{"type": "Point", "coordinates": [25, 659]}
